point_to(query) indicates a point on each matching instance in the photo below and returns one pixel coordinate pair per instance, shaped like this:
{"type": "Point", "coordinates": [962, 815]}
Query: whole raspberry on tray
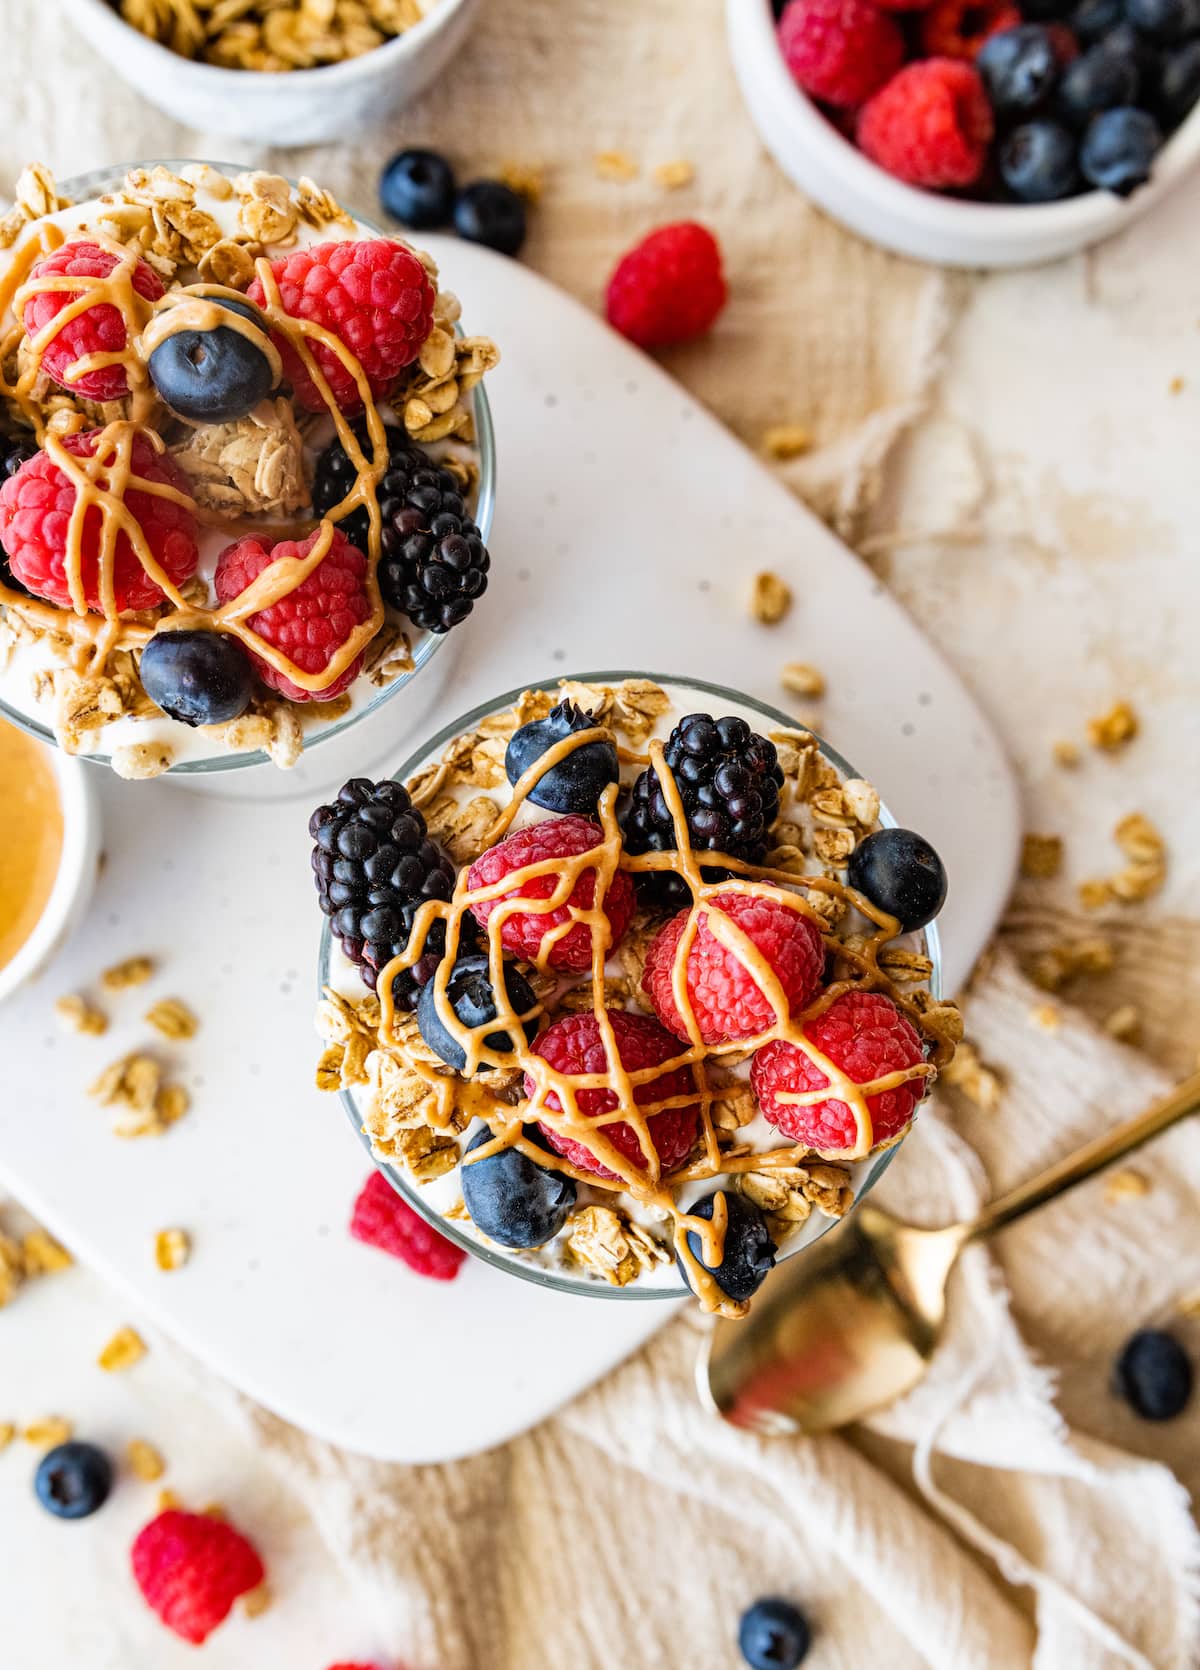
{"type": "Point", "coordinates": [840, 51]}
{"type": "Point", "coordinates": [931, 125]}
{"type": "Point", "coordinates": [866, 1037]}
{"type": "Point", "coordinates": [99, 329]}
{"type": "Point", "coordinates": [726, 998]}
{"type": "Point", "coordinates": [524, 932]}
{"type": "Point", "coordinates": [191, 1568]}
{"type": "Point", "coordinates": [312, 622]}
{"type": "Point", "coordinates": [574, 1046]}
{"type": "Point", "coordinates": [669, 288]}
{"type": "Point", "coordinates": [382, 1219]}
{"type": "Point", "coordinates": [374, 295]}
{"type": "Point", "coordinates": [36, 509]}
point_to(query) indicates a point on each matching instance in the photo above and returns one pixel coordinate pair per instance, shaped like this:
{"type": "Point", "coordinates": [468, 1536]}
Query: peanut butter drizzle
{"type": "Point", "coordinates": [103, 480]}
{"type": "Point", "coordinates": [465, 1095]}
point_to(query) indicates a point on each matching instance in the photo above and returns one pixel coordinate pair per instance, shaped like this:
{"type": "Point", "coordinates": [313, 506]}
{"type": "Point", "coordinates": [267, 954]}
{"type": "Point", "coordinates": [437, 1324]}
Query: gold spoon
{"type": "Point", "coordinates": [851, 1323]}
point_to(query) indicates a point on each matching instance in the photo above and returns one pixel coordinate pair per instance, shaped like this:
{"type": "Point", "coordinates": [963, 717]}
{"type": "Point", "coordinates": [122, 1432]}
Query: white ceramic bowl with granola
{"type": "Point", "coordinates": [248, 472]}
{"type": "Point", "coordinates": [282, 72]}
{"type": "Point", "coordinates": [628, 982]}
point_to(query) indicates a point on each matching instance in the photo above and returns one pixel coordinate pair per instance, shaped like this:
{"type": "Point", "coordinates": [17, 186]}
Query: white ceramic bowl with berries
{"type": "Point", "coordinates": [927, 225]}
{"type": "Point", "coordinates": [720, 1066]}
{"type": "Point", "coordinates": [247, 443]}
{"type": "Point", "coordinates": [297, 107]}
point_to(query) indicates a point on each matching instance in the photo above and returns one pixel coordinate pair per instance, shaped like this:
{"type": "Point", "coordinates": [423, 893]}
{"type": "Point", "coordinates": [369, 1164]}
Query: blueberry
{"type": "Point", "coordinates": [773, 1634]}
{"type": "Point", "coordinates": [575, 783]}
{"type": "Point", "coordinates": [1093, 19]}
{"type": "Point", "coordinates": [212, 376]}
{"type": "Point", "coordinates": [73, 1480]}
{"type": "Point", "coordinates": [1167, 21]}
{"type": "Point", "coordinates": [899, 871]}
{"type": "Point", "coordinates": [513, 1200]}
{"type": "Point", "coordinates": [417, 188]}
{"type": "Point", "coordinates": [470, 992]}
{"type": "Point", "coordinates": [1178, 88]}
{"type": "Point", "coordinates": [1119, 149]}
{"type": "Point", "coordinates": [489, 213]}
{"type": "Point", "coordinates": [748, 1256]}
{"type": "Point", "coordinates": [1154, 1375]}
{"type": "Point", "coordinates": [1019, 68]}
{"type": "Point", "coordinates": [199, 678]}
{"type": "Point", "coordinates": [1099, 80]}
{"type": "Point", "coordinates": [1039, 162]}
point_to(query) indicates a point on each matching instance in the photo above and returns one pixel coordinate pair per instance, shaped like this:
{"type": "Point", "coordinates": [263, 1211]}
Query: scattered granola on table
{"type": "Point", "coordinates": [673, 1078]}
{"type": "Point", "coordinates": [195, 561]}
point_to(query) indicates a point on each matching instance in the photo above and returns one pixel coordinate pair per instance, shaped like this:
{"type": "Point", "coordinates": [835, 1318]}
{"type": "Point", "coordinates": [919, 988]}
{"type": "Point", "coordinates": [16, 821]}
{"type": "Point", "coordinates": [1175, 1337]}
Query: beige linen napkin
{"type": "Point", "coordinates": [632, 1528]}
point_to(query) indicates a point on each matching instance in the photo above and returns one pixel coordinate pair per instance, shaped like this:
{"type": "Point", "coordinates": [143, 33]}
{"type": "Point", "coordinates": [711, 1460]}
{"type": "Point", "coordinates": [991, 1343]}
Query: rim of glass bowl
{"type": "Point", "coordinates": [410, 1192]}
{"type": "Point", "coordinates": [94, 184]}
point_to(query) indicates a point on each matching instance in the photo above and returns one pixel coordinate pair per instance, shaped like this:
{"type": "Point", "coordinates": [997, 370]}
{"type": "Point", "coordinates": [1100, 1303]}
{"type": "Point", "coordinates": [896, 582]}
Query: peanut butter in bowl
{"type": "Point", "coordinates": [31, 838]}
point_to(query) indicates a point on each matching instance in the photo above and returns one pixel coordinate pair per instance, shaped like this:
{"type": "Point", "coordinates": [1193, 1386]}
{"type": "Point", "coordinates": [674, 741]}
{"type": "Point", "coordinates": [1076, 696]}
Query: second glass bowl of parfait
{"type": "Point", "coordinates": [438, 1197]}
{"type": "Point", "coordinates": [197, 756]}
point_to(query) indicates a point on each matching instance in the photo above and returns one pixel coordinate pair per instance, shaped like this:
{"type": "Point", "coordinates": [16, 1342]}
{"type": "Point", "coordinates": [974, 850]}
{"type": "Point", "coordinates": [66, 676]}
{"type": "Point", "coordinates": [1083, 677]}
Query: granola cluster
{"type": "Point", "coordinates": [398, 1086]}
{"type": "Point", "coordinates": [272, 35]}
{"type": "Point", "coordinates": [249, 475]}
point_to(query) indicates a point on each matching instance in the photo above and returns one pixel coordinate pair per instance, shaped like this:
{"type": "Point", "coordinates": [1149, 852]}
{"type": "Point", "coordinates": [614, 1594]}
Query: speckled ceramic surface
{"type": "Point", "coordinates": [629, 527]}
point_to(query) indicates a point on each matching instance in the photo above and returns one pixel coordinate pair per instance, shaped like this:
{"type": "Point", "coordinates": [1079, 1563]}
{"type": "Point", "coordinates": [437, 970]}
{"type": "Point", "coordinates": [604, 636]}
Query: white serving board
{"type": "Point", "coordinates": [628, 528]}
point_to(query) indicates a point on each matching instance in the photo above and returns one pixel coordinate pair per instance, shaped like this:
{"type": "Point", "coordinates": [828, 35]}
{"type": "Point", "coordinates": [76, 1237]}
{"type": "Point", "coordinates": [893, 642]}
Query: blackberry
{"type": "Point", "coordinates": [434, 563]}
{"type": "Point", "coordinates": [729, 780]}
{"type": "Point", "coordinates": [375, 866]}
{"type": "Point", "coordinates": [12, 455]}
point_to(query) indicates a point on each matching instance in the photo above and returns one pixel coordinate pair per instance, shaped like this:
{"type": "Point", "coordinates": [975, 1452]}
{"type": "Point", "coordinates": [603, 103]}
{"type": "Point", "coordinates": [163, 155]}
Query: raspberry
{"type": "Point", "coordinates": [383, 1220]}
{"type": "Point", "coordinates": [311, 622]}
{"type": "Point", "coordinates": [35, 511]}
{"type": "Point", "coordinates": [864, 1034]}
{"type": "Point", "coordinates": [99, 329]}
{"type": "Point", "coordinates": [958, 28]}
{"type": "Point", "coordinates": [669, 287]}
{"type": "Point", "coordinates": [840, 51]}
{"type": "Point", "coordinates": [931, 125]}
{"type": "Point", "coordinates": [191, 1568]}
{"type": "Point", "coordinates": [725, 998]}
{"type": "Point", "coordinates": [374, 295]}
{"type": "Point", "coordinates": [523, 932]}
{"type": "Point", "coordinates": [574, 1045]}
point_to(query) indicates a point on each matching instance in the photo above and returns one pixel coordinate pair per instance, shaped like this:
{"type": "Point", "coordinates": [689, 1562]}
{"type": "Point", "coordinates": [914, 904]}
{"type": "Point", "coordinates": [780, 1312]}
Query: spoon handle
{"type": "Point", "coordinates": [1086, 1161]}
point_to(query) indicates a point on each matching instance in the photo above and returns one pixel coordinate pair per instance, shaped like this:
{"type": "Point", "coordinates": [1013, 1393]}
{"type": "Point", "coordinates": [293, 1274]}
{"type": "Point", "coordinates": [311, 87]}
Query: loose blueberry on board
{"type": "Point", "coordinates": [1167, 21]}
{"type": "Point", "coordinates": [1154, 1375]}
{"type": "Point", "coordinates": [513, 1200]}
{"type": "Point", "coordinates": [1119, 149]}
{"type": "Point", "coordinates": [418, 188]}
{"type": "Point", "coordinates": [575, 783]}
{"type": "Point", "coordinates": [199, 678]}
{"type": "Point", "coordinates": [1019, 69]}
{"type": "Point", "coordinates": [1099, 80]}
{"type": "Point", "coordinates": [73, 1480]}
{"type": "Point", "coordinates": [900, 873]}
{"type": "Point", "coordinates": [774, 1634]}
{"type": "Point", "coordinates": [491, 214]}
{"type": "Point", "coordinates": [1039, 162]}
{"type": "Point", "coordinates": [469, 990]}
{"type": "Point", "coordinates": [748, 1256]}
{"type": "Point", "coordinates": [1178, 89]}
{"type": "Point", "coordinates": [212, 376]}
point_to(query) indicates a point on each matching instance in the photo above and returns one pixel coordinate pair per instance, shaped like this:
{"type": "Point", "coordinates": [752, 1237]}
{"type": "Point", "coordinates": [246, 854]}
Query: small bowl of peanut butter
{"type": "Point", "coordinates": [49, 847]}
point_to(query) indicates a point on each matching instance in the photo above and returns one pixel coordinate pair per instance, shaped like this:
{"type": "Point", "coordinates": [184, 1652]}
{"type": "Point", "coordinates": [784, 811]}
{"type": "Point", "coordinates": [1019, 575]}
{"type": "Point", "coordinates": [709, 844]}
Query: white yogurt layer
{"type": "Point", "coordinates": [444, 1194]}
{"type": "Point", "coordinates": [29, 658]}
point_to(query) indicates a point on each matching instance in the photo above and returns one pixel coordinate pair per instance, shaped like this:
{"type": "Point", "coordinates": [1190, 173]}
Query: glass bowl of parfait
{"type": "Point", "coordinates": [629, 984]}
{"type": "Point", "coordinates": [248, 471]}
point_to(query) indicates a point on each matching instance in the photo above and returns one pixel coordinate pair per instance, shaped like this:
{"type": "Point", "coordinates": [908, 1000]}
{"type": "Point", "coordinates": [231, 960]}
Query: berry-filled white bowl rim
{"type": "Point", "coordinates": [864, 1179]}
{"type": "Point", "coordinates": [426, 645]}
{"type": "Point", "coordinates": [934, 211]}
{"type": "Point", "coordinates": [321, 78]}
{"type": "Point", "coordinates": [76, 875]}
